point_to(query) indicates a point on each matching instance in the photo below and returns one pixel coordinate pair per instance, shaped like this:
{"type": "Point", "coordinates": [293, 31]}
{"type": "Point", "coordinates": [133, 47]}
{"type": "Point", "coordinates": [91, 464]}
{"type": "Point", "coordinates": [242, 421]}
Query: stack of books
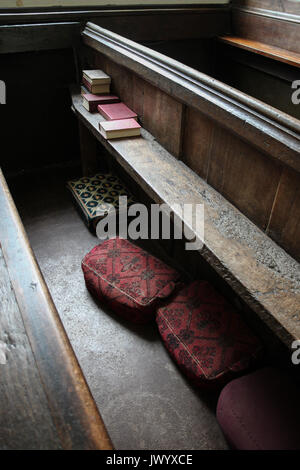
{"type": "Point", "coordinates": [121, 121]}
{"type": "Point", "coordinates": [95, 90]}
{"type": "Point", "coordinates": [96, 81]}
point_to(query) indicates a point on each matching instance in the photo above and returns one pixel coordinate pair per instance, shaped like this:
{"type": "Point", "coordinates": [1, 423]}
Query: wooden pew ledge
{"type": "Point", "coordinates": [260, 272]}
{"type": "Point", "coordinates": [276, 53]}
{"type": "Point", "coordinates": [46, 403]}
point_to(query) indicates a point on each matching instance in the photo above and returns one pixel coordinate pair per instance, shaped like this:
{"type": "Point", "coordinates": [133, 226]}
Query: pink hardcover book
{"type": "Point", "coordinates": [116, 111]}
{"type": "Point", "coordinates": [91, 101]}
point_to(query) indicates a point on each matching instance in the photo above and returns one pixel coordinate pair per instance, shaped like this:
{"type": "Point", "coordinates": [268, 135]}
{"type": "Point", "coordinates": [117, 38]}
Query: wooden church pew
{"type": "Point", "coordinates": [204, 143]}
{"type": "Point", "coordinates": [273, 296]}
{"type": "Point", "coordinates": [162, 163]}
{"type": "Point", "coordinates": [46, 402]}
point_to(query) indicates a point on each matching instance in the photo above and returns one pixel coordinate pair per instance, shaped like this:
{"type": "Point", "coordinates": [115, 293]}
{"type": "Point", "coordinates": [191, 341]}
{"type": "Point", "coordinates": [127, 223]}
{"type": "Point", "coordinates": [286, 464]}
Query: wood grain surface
{"type": "Point", "coordinates": [47, 375]}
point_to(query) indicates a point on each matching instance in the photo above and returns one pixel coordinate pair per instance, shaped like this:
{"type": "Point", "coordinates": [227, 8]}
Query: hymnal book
{"type": "Point", "coordinates": [116, 111]}
{"type": "Point", "coordinates": [90, 101]}
{"type": "Point", "coordinates": [102, 88]}
{"type": "Point", "coordinates": [96, 77]}
{"type": "Point", "coordinates": [120, 128]}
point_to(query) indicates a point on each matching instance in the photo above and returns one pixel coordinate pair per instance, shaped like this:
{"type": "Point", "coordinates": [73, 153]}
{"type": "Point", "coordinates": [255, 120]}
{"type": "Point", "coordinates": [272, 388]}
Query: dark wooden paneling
{"type": "Point", "coordinates": [138, 87]}
{"type": "Point", "coordinates": [157, 26]}
{"type": "Point", "coordinates": [94, 59]}
{"type": "Point", "coordinates": [196, 53]}
{"type": "Point", "coordinates": [139, 24]}
{"type": "Point", "coordinates": [88, 151]}
{"type": "Point", "coordinates": [197, 141]}
{"type": "Point", "coordinates": [122, 82]}
{"type": "Point", "coordinates": [162, 116]}
{"type": "Point", "coordinates": [284, 224]}
{"type": "Point", "coordinates": [264, 79]}
{"type": "Point", "coordinates": [261, 28]}
{"type": "Point", "coordinates": [24, 38]}
{"type": "Point", "coordinates": [37, 124]}
{"type": "Point", "coordinates": [244, 176]}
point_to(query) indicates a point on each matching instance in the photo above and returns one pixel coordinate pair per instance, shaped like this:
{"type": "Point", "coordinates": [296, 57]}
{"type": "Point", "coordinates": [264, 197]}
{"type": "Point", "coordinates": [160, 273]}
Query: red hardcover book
{"type": "Point", "coordinates": [90, 101]}
{"type": "Point", "coordinates": [86, 84]}
{"type": "Point", "coordinates": [116, 111]}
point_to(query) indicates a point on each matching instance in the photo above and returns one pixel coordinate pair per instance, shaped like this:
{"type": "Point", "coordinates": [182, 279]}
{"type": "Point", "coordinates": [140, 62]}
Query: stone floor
{"type": "Point", "coordinates": [144, 400]}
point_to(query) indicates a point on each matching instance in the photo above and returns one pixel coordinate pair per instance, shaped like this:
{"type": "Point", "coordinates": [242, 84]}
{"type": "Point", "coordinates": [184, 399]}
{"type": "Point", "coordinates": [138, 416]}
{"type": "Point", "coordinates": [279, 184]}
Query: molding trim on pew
{"type": "Point", "coordinates": [270, 130]}
{"type": "Point", "coordinates": [275, 15]}
{"type": "Point", "coordinates": [17, 16]}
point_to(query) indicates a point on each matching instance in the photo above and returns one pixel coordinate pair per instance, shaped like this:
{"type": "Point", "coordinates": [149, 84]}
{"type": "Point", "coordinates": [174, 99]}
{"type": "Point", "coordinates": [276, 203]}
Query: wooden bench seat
{"type": "Point", "coordinates": [261, 273]}
{"type": "Point", "coordinates": [45, 401]}
{"type": "Point", "coordinates": [276, 53]}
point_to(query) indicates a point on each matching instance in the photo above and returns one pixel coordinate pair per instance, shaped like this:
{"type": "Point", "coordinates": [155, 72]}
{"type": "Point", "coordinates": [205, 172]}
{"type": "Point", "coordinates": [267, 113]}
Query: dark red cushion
{"type": "Point", "coordinates": [206, 336]}
{"type": "Point", "coordinates": [261, 411]}
{"type": "Point", "coordinates": [128, 279]}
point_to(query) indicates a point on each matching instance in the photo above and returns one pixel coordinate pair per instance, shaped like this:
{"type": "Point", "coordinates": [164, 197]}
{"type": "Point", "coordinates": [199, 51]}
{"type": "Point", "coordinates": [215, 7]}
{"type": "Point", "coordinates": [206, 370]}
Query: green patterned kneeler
{"type": "Point", "coordinates": [93, 194]}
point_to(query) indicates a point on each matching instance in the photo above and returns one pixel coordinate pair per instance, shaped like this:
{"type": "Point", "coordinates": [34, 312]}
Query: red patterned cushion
{"type": "Point", "coordinates": [205, 335]}
{"type": "Point", "coordinates": [128, 278]}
